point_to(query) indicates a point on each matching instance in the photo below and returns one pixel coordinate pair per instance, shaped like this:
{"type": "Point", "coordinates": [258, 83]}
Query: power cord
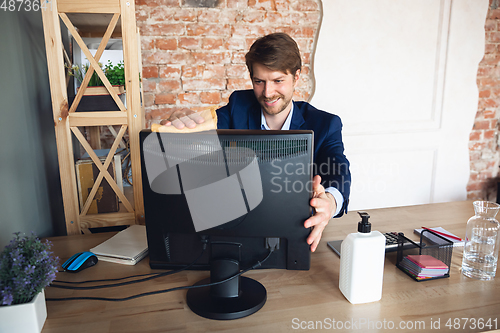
{"type": "Point", "coordinates": [151, 276]}
{"type": "Point", "coordinates": [258, 264]}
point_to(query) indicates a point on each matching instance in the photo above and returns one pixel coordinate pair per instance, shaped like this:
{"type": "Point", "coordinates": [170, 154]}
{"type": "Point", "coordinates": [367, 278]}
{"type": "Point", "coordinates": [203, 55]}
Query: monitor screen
{"type": "Point", "coordinates": [237, 193]}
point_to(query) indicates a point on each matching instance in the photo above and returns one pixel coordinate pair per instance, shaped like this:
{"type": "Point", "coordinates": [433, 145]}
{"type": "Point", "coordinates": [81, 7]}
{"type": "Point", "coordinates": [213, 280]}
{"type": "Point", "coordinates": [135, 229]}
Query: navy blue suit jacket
{"type": "Point", "coordinates": [244, 112]}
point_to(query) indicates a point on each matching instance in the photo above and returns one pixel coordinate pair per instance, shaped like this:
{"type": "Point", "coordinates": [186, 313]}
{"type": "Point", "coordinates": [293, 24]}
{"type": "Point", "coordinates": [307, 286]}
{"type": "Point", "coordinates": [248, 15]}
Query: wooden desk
{"type": "Point", "coordinates": [295, 298]}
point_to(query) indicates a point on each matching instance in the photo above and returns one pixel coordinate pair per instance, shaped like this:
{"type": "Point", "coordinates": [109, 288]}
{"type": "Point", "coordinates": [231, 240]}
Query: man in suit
{"type": "Point", "coordinates": [274, 64]}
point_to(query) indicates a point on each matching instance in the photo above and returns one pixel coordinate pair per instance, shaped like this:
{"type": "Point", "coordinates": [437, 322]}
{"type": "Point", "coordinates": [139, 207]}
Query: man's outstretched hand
{"type": "Point", "coordinates": [182, 118]}
{"type": "Point", "coordinates": [324, 206]}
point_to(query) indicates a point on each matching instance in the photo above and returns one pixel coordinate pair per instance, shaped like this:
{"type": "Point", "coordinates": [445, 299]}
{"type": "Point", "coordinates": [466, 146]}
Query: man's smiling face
{"type": "Point", "coordinates": [273, 89]}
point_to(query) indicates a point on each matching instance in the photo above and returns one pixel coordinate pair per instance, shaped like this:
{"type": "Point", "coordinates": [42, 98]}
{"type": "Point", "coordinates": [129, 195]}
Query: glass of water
{"type": "Point", "coordinates": [481, 242]}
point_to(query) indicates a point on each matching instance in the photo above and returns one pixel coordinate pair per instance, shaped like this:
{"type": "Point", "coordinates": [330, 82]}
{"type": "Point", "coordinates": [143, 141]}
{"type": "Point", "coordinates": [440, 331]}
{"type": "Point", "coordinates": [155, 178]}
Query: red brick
{"type": "Point", "coordinates": [205, 84]}
{"type": "Point", "coordinates": [166, 44]}
{"type": "Point", "coordinates": [192, 71]}
{"type": "Point", "coordinates": [211, 57]}
{"type": "Point", "coordinates": [475, 186]}
{"type": "Point", "coordinates": [487, 103]}
{"type": "Point", "coordinates": [489, 114]}
{"type": "Point", "coordinates": [147, 43]}
{"type": "Point", "coordinates": [477, 146]}
{"type": "Point", "coordinates": [490, 134]}
{"type": "Point", "coordinates": [212, 43]}
{"type": "Point", "coordinates": [275, 18]}
{"type": "Point", "coordinates": [186, 15]}
{"type": "Point", "coordinates": [237, 84]}
{"type": "Point", "coordinates": [167, 57]}
{"type": "Point", "coordinates": [490, 25]}
{"type": "Point", "coordinates": [155, 3]}
{"type": "Point", "coordinates": [189, 43]}
{"type": "Point", "coordinates": [238, 4]}
{"type": "Point", "coordinates": [484, 71]}
{"type": "Point", "coordinates": [235, 43]}
{"type": "Point", "coordinates": [492, 37]}
{"type": "Point", "coordinates": [208, 30]}
{"type": "Point", "coordinates": [166, 98]}
{"type": "Point", "coordinates": [282, 5]}
{"type": "Point", "coordinates": [254, 16]}
{"type": "Point", "coordinates": [149, 72]}
{"type": "Point", "coordinates": [494, 14]}
{"type": "Point", "coordinates": [169, 85]}
{"type": "Point", "coordinates": [238, 57]}
{"type": "Point", "coordinates": [170, 72]}
{"type": "Point", "coordinates": [305, 5]}
{"type": "Point", "coordinates": [148, 85]}
{"type": "Point", "coordinates": [484, 124]}
{"type": "Point", "coordinates": [484, 93]}
{"type": "Point", "coordinates": [215, 71]}
{"type": "Point", "coordinates": [237, 71]}
{"type": "Point", "coordinates": [211, 16]}
{"type": "Point", "coordinates": [248, 30]}
{"type": "Point", "coordinates": [262, 4]}
{"type": "Point", "coordinates": [162, 14]}
{"type": "Point", "coordinates": [475, 136]}
{"type": "Point", "coordinates": [213, 98]}
{"type": "Point", "coordinates": [189, 98]}
{"type": "Point", "coordinates": [163, 29]}
{"type": "Point", "coordinates": [149, 99]}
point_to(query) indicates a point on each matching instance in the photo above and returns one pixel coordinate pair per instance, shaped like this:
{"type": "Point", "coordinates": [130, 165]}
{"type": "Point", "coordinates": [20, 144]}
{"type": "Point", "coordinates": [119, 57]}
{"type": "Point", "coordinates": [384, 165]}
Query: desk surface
{"type": "Point", "coordinates": [296, 299]}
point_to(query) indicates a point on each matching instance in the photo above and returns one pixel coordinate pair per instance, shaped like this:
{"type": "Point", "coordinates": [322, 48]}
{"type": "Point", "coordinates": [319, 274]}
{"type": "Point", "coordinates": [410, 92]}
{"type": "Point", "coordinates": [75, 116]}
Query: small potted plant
{"type": "Point", "coordinates": [27, 266]}
{"type": "Point", "coordinates": [96, 97]}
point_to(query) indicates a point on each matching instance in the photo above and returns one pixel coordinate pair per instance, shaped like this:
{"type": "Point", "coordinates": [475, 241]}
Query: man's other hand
{"type": "Point", "coordinates": [182, 118]}
{"type": "Point", "coordinates": [324, 206]}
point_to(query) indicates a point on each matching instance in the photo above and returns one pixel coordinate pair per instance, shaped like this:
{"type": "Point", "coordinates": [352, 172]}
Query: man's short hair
{"type": "Point", "coordinates": [277, 51]}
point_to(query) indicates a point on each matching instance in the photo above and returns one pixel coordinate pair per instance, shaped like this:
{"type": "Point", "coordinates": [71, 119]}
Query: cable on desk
{"type": "Point", "coordinates": [154, 276]}
{"type": "Point", "coordinates": [259, 263]}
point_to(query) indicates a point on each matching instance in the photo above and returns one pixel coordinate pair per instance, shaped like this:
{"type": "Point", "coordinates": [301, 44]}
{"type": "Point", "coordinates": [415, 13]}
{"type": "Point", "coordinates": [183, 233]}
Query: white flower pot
{"type": "Point", "coordinates": [24, 318]}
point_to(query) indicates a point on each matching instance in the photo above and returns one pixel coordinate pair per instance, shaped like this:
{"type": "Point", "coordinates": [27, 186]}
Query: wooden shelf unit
{"type": "Point", "coordinates": [67, 121]}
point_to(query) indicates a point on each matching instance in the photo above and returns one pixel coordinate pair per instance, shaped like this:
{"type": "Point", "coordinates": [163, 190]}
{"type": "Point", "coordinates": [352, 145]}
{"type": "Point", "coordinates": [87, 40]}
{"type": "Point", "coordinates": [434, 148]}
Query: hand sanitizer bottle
{"type": "Point", "coordinates": [362, 264]}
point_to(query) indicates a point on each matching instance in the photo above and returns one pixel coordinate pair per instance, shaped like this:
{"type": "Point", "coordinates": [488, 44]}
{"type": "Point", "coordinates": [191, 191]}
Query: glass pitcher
{"type": "Point", "coordinates": [481, 242]}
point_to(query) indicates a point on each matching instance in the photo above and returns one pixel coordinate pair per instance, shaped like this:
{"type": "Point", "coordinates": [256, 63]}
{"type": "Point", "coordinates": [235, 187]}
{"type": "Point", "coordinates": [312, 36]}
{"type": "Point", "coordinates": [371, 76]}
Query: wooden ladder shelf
{"type": "Point", "coordinates": [68, 121]}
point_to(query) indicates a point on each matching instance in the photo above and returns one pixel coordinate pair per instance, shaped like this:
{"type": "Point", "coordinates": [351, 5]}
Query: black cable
{"type": "Point", "coordinates": [155, 275]}
{"type": "Point", "coordinates": [103, 280]}
{"type": "Point", "coordinates": [259, 263]}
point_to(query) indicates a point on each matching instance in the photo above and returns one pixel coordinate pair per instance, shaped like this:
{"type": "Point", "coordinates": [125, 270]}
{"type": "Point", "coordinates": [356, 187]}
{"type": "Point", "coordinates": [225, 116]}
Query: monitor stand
{"type": "Point", "coordinates": [236, 298]}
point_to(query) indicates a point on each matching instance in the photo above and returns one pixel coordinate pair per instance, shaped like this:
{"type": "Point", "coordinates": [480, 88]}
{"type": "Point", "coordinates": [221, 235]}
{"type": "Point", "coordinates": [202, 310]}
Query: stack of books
{"type": "Point", "coordinates": [424, 266]}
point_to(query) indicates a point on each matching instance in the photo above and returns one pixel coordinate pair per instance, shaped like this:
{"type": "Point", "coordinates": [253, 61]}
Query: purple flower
{"type": "Point", "coordinates": [26, 268]}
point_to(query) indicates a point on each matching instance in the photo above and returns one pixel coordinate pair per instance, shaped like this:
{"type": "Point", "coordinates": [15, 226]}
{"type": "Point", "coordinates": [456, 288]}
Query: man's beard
{"type": "Point", "coordinates": [272, 110]}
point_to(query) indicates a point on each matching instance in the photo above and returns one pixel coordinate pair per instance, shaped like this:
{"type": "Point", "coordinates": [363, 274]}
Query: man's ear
{"type": "Point", "coordinates": [296, 77]}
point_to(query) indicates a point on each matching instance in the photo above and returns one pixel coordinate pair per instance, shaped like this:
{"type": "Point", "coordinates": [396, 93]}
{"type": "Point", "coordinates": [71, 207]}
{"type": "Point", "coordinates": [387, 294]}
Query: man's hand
{"type": "Point", "coordinates": [324, 205]}
{"type": "Point", "coordinates": [182, 118]}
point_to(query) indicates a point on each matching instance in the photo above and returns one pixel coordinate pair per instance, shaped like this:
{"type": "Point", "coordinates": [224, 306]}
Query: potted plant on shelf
{"type": "Point", "coordinates": [27, 266]}
{"type": "Point", "coordinates": [96, 97]}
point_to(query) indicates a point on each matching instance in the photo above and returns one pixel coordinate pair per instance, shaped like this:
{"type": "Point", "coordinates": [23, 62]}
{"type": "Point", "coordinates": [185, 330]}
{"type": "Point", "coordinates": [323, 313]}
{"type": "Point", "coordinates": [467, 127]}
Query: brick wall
{"type": "Point", "coordinates": [193, 50]}
{"type": "Point", "coordinates": [483, 146]}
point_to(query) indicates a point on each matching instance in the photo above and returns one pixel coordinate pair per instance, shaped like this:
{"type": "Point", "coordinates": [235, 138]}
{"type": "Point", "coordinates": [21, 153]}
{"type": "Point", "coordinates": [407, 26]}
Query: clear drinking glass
{"type": "Point", "coordinates": [481, 242]}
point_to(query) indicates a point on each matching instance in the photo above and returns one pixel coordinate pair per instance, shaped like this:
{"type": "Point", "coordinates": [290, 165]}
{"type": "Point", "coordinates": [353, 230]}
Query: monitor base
{"type": "Point", "coordinates": [251, 298]}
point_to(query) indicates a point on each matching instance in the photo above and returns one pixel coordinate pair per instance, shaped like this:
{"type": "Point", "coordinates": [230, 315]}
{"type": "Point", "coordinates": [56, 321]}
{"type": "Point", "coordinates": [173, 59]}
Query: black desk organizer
{"type": "Point", "coordinates": [430, 244]}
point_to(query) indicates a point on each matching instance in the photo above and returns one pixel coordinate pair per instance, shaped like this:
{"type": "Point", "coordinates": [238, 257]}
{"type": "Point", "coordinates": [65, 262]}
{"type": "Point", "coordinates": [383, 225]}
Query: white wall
{"type": "Point", "coordinates": [402, 76]}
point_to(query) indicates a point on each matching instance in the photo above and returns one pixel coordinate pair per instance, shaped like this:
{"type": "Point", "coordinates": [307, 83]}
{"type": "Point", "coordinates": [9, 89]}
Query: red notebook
{"type": "Point", "coordinates": [427, 261]}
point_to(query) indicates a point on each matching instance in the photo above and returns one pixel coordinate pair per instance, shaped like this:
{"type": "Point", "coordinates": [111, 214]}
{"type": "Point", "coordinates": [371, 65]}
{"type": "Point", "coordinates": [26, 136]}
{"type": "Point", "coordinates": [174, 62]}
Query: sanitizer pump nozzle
{"type": "Point", "coordinates": [364, 226]}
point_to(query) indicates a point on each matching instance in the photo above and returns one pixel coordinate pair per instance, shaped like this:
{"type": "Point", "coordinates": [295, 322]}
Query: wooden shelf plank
{"type": "Point", "coordinates": [98, 118]}
{"type": "Point", "coordinates": [106, 220]}
{"type": "Point", "coordinates": [89, 6]}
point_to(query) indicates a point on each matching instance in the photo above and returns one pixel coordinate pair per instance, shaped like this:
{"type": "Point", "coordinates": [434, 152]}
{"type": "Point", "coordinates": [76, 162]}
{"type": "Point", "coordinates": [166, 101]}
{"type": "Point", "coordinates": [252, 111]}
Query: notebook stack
{"type": "Point", "coordinates": [424, 266]}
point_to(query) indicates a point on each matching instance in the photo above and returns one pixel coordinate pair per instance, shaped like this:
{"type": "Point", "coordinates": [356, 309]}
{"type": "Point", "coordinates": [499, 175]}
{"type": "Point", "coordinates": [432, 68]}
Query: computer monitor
{"type": "Point", "coordinates": [239, 193]}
